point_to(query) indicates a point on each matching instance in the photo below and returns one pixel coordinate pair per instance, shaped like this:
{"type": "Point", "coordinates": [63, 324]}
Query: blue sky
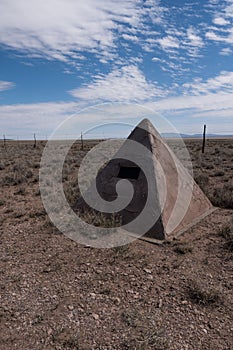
{"type": "Point", "coordinates": [60, 56]}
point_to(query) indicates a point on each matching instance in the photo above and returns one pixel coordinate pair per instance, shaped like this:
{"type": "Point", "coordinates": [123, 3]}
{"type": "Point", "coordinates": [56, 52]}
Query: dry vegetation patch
{"type": "Point", "coordinates": [226, 232]}
{"type": "Point", "coordinates": [59, 295]}
{"type": "Point", "coordinates": [203, 294]}
{"type": "Point", "coordinates": [213, 170]}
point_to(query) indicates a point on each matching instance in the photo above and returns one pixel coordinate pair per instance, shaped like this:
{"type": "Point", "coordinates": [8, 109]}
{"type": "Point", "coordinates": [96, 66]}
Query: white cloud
{"type": "Point", "coordinates": [208, 102]}
{"type": "Point", "coordinates": [223, 83]}
{"type": "Point", "coordinates": [227, 38]}
{"type": "Point", "coordinates": [6, 85]}
{"type": "Point", "coordinates": [194, 38]}
{"type": "Point", "coordinates": [226, 51]}
{"type": "Point", "coordinates": [187, 113]}
{"type": "Point", "coordinates": [125, 84]}
{"type": "Point", "coordinates": [156, 59]}
{"type": "Point", "coordinates": [64, 30]}
{"type": "Point", "coordinates": [192, 42]}
{"type": "Point", "coordinates": [136, 60]}
{"type": "Point", "coordinates": [223, 31]}
{"type": "Point", "coordinates": [130, 37]}
{"type": "Point", "coordinates": [220, 21]}
{"type": "Point", "coordinates": [229, 9]}
{"type": "Point", "coordinates": [22, 120]}
{"type": "Point", "coordinates": [58, 29]}
{"type": "Point", "coordinates": [213, 36]}
{"type": "Point", "coordinates": [169, 42]}
{"type": "Point", "coordinates": [217, 102]}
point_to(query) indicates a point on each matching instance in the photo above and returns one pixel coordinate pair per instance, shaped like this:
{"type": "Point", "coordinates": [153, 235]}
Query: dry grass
{"type": "Point", "coordinates": [223, 197]}
{"type": "Point", "coordinates": [57, 294]}
{"type": "Point", "coordinates": [183, 248]}
{"type": "Point", "coordinates": [227, 233]}
{"type": "Point", "coordinates": [203, 294]}
{"type": "Point", "coordinates": [213, 170]}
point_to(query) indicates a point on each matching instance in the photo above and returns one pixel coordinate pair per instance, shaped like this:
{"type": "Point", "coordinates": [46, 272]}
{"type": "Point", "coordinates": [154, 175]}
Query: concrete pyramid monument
{"type": "Point", "coordinates": [166, 201]}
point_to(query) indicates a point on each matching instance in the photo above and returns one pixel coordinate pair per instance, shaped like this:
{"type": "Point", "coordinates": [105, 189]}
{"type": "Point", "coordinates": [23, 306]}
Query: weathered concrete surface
{"type": "Point", "coordinates": [177, 203]}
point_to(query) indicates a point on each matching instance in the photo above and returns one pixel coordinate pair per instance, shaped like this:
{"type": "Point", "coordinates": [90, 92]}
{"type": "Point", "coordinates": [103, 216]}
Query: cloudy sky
{"type": "Point", "coordinates": [59, 56]}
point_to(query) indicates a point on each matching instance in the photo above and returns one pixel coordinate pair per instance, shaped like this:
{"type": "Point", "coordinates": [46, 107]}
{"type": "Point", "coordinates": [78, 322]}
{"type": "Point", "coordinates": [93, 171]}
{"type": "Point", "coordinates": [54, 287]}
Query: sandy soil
{"type": "Point", "coordinates": [58, 294]}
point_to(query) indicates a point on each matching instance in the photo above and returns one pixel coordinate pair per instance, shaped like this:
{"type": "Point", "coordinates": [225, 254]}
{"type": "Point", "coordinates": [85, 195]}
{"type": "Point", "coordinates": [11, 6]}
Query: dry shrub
{"type": "Point", "coordinates": [149, 333]}
{"type": "Point", "coordinates": [71, 190]}
{"type": "Point", "coordinates": [227, 233]}
{"type": "Point", "coordinates": [19, 173]}
{"type": "Point", "coordinates": [2, 166]}
{"type": "Point", "coordinates": [20, 191]}
{"type": "Point", "coordinates": [223, 196]}
{"type": "Point", "coordinates": [121, 251]}
{"type": "Point", "coordinates": [13, 179]}
{"type": "Point", "coordinates": [219, 173]}
{"type": "Point", "coordinates": [99, 219]}
{"type": "Point", "coordinates": [183, 248]}
{"type": "Point", "coordinates": [203, 294]}
{"type": "Point", "coordinates": [202, 180]}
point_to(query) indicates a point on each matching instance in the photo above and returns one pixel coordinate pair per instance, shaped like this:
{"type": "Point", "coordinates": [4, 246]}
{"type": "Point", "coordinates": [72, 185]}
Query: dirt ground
{"type": "Point", "coordinates": [58, 294]}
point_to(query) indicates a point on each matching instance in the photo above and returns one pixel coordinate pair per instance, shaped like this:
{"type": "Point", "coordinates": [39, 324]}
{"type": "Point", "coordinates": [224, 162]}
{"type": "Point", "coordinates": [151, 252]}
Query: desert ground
{"type": "Point", "coordinates": [58, 294]}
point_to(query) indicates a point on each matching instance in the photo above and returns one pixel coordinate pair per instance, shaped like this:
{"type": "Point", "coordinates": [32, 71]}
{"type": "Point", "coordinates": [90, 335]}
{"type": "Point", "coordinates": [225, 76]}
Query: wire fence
{"type": "Point", "coordinates": [84, 139]}
{"type": "Point", "coordinates": [44, 137]}
{"type": "Point", "coordinates": [37, 138]}
{"type": "Point", "coordinates": [102, 135]}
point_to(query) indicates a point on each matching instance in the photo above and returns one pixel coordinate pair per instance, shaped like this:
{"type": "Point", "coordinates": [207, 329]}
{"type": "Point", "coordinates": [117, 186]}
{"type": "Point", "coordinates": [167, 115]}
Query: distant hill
{"type": "Point", "coordinates": [194, 136]}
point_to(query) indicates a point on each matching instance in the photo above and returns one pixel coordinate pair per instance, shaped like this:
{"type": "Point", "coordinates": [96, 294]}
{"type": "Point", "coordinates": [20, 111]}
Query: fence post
{"type": "Point", "coordinates": [34, 141]}
{"type": "Point", "coordinates": [203, 140]}
{"type": "Point", "coordinates": [4, 141]}
{"type": "Point", "coordinates": [82, 146]}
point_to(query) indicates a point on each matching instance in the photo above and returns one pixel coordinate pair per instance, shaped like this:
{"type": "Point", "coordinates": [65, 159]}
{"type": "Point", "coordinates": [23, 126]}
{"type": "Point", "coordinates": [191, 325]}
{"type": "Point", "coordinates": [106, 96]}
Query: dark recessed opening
{"type": "Point", "coordinates": [129, 172]}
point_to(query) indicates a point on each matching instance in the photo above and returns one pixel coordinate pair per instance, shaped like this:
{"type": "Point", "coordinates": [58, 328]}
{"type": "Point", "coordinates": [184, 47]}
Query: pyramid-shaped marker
{"type": "Point", "coordinates": [166, 200]}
